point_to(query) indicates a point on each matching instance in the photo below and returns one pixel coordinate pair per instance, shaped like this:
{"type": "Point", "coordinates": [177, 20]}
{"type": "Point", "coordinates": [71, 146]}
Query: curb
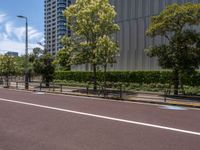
{"type": "Point", "coordinates": [171, 103]}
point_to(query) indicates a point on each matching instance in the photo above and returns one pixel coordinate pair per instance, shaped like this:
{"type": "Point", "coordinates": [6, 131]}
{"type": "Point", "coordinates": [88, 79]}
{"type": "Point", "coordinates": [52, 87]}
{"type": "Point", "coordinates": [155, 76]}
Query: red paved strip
{"type": "Point", "coordinates": [29, 128]}
{"type": "Point", "coordinates": [25, 127]}
{"type": "Point", "coordinates": [188, 120]}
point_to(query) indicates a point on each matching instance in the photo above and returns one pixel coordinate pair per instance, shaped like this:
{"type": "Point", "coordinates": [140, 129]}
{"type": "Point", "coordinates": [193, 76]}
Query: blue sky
{"type": "Point", "coordinates": [12, 29]}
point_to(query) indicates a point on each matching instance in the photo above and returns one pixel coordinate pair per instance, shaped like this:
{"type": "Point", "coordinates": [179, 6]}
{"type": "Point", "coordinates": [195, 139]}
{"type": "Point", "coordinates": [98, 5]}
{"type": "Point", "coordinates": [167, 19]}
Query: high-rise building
{"type": "Point", "coordinates": [55, 24]}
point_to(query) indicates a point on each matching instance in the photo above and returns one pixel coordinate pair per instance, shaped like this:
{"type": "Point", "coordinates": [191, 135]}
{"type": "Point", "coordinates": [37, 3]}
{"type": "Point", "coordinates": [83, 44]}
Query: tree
{"type": "Point", "coordinates": [20, 64]}
{"type": "Point", "coordinates": [106, 51]}
{"type": "Point", "coordinates": [43, 65]}
{"type": "Point", "coordinates": [7, 67]}
{"type": "Point", "coordinates": [90, 22]}
{"type": "Point", "coordinates": [63, 58]}
{"type": "Point", "coordinates": [182, 54]}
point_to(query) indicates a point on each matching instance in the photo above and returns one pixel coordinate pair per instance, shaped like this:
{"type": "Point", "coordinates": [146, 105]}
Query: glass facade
{"type": "Point", "coordinates": [55, 24]}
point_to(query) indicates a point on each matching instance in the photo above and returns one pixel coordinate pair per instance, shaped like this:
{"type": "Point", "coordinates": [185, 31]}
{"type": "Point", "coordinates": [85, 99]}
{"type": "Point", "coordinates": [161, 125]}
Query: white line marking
{"type": "Point", "coordinates": [103, 117]}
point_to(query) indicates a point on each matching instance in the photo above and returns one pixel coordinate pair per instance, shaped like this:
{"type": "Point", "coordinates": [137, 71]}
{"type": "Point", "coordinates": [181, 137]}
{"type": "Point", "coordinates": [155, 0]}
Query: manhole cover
{"type": "Point", "coordinates": [173, 108]}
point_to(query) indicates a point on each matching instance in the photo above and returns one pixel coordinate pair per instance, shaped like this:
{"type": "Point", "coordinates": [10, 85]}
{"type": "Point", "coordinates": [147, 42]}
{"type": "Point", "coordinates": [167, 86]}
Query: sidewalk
{"type": "Point", "coordinates": [143, 97]}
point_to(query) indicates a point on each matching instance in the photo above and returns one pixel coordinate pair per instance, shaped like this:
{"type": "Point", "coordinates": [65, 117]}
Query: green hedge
{"type": "Point", "coordinates": [141, 77]}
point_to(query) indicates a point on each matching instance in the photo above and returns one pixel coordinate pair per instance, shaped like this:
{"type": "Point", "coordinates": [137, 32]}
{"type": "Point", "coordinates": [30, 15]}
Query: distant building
{"type": "Point", "coordinates": [14, 54]}
{"type": "Point", "coordinates": [55, 24]}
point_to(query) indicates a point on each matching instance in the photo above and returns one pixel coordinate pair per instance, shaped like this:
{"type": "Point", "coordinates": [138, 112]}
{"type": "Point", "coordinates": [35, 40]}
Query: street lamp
{"type": "Point", "coordinates": [26, 53]}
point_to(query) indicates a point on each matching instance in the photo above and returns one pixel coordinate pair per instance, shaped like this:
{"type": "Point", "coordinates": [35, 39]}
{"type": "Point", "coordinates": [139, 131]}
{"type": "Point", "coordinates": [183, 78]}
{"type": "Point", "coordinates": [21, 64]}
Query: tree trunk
{"type": "Point", "coordinates": [176, 82]}
{"type": "Point", "coordinates": [181, 85]}
{"type": "Point", "coordinates": [104, 89]}
{"type": "Point", "coordinates": [47, 82]}
{"type": "Point", "coordinates": [7, 81]}
{"type": "Point", "coordinates": [95, 77]}
{"type": "Point", "coordinates": [105, 70]}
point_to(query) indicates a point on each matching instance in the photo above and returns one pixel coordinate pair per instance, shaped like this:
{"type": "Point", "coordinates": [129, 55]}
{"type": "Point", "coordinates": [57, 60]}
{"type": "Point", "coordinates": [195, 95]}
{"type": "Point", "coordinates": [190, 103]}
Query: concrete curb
{"type": "Point", "coordinates": [169, 102]}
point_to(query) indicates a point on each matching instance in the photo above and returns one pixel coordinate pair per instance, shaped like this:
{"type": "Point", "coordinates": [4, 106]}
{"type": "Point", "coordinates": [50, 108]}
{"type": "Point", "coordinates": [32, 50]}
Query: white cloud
{"type": "Point", "coordinates": [10, 45]}
{"type": "Point", "coordinates": [19, 32]}
{"type": "Point", "coordinates": [2, 17]}
{"type": "Point", "coordinates": [8, 28]}
{"type": "Point", "coordinates": [12, 36]}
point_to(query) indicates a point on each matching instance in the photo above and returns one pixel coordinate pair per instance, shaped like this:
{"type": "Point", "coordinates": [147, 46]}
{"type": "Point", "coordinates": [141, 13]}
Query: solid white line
{"type": "Point", "coordinates": [103, 117]}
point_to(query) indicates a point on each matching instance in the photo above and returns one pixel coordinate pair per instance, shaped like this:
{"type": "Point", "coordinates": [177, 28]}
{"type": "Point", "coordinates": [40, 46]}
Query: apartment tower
{"type": "Point", "coordinates": [55, 24]}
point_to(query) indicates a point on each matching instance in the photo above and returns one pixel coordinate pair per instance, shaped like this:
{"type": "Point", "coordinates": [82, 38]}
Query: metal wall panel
{"type": "Point", "coordinates": [133, 17]}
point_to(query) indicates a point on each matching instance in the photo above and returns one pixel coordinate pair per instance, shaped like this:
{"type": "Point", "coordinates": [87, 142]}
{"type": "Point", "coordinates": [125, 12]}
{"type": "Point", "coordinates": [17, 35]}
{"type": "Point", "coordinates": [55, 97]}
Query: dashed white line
{"type": "Point", "coordinates": [103, 117]}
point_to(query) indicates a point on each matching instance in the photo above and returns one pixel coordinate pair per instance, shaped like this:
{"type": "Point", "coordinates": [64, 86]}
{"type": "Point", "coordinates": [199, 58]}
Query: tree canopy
{"type": "Point", "coordinates": [43, 64]}
{"type": "Point", "coordinates": [177, 23]}
{"type": "Point", "coordinates": [93, 24]}
{"type": "Point", "coordinates": [7, 67]}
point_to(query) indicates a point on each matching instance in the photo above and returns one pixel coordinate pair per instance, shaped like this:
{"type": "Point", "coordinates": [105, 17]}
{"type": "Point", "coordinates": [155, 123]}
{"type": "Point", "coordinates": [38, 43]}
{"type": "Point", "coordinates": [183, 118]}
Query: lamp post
{"type": "Point", "coordinates": [26, 53]}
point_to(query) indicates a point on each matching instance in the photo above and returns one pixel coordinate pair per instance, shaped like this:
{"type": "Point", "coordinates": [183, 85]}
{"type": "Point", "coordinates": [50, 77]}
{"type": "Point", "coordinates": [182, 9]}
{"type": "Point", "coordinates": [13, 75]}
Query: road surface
{"type": "Point", "coordinates": [38, 121]}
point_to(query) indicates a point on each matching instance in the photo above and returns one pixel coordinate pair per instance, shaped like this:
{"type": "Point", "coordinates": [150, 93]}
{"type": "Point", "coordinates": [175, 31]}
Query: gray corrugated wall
{"type": "Point", "coordinates": [133, 17]}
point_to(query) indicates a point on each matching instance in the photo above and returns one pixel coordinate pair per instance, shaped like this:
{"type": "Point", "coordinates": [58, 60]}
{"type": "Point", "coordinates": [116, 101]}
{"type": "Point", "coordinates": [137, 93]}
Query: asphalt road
{"type": "Point", "coordinates": [32, 121]}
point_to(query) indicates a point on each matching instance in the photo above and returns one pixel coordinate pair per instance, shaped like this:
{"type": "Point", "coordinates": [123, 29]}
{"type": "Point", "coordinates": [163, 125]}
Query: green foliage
{"type": "Point", "coordinates": [139, 77]}
{"type": "Point", "coordinates": [117, 76]}
{"type": "Point", "coordinates": [43, 65]}
{"type": "Point", "coordinates": [174, 18]}
{"type": "Point", "coordinates": [182, 53]}
{"type": "Point", "coordinates": [20, 63]}
{"type": "Point", "coordinates": [92, 23]}
{"type": "Point", "coordinates": [152, 87]}
{"type": "Point", "coordinates": [7, 65]}
{"type": "Point", "coordinates": [152, 81]}
{"type": "Point", "coordinates": [63, 59]}
{"type": "Point", "coordinates": [106, 51]}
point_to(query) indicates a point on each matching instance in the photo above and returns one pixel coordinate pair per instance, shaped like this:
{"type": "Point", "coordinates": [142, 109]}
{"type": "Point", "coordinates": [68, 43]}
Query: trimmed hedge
{"type": "Point", "coordinates": [140, 77]}
{"type": "Point", "coordinates": [116, 76]}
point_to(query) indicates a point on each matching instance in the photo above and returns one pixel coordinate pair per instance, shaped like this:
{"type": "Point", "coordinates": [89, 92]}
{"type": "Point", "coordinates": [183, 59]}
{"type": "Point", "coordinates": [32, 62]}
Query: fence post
{"type": "Point", "coordinates": [104, 92]}
{"type": "Point", "coordinates": [120, 91]}
{"type": "Point", "coordinates": [61, 88]}
{"type": "Point", "coordinates": [16, 85]}
{"type": "Point", "coordinates": [53, 87]}
{"type": "Point", "coordinates": [87, 88]}
{"type": "Point", "coordinates": [40, 86]}
{"type": "Point", "coordinates": [165, 96]}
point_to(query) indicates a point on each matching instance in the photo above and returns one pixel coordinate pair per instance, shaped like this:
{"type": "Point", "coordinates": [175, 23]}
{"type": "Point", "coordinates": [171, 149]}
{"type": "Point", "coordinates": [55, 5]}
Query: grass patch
{"type": "Point", "coordinates": [152, 87]}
